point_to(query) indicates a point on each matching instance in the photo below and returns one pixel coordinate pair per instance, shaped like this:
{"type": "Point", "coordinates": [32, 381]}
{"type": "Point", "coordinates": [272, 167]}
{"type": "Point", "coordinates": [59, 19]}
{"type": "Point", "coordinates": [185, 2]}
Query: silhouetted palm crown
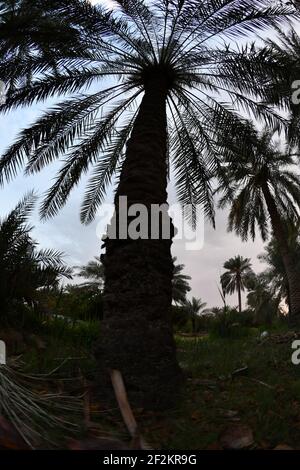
{"type": "Point", "coordinates": [275, 273]}
{"type": "Point", "coordinates": [101, 61]}
{"type": "Point", "coordinates": [260, 163]}
{"type": "Point", "coordinates": [238, 272]}
{"type": "Point", "coordinates": [23, 267]}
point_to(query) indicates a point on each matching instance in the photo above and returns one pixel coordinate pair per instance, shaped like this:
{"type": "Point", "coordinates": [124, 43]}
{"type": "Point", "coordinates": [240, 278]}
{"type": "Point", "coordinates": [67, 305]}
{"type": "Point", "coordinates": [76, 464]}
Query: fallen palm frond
{"type": "Point", "coordinates": [38, 417]}
{"type": "Point", "coordinates": [126, 411]}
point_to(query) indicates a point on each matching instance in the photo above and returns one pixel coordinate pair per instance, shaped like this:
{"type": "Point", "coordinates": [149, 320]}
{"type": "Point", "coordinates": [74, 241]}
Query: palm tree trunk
{"type": "Point", "coordinates": [239, 296]}
{"type": "Point", "coordinates": [292, 272]}
{"type": "Point", "coordinates": [193, 324]}
{"type": "Point", "coordinates": [288, 300]}
{"type": "Point", "coordinates": [137, 336]}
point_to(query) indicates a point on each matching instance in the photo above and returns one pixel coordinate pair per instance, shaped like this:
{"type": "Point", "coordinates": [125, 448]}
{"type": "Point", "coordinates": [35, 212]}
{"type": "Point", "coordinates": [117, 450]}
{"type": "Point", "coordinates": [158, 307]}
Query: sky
{"type": "Point", "coordinates": [81, 243]}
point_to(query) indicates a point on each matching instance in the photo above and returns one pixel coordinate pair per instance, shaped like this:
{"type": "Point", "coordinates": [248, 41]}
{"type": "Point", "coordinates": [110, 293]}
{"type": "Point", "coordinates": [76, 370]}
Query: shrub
{"type": "Point", "coordinates": [231, 324]}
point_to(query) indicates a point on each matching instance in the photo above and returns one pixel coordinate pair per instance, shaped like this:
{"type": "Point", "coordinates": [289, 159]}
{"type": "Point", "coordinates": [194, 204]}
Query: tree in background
{"type": "Point", "coordinates": [81, 302]}
{"type": "Point", "coordinates": [24, 269]}
{"type": "Point", "coordinates": [159, 72]}
{"type": "Point", "coordinates": [180, 283]}
{"type": "Point", "coordinates": [282, 88]}
{"type": "Point", "coordinates": [238, 273]}
{"type": "Point", "coordinates": [262, 188]}
{"type": "Point", "coordinates": [262, 300]}
{"type": "Point", "coordinates": [275, 274]}
{"type": "Point", "coordinates": [194, 308]}
{"type": "Point", "coordinates": [93, 273]}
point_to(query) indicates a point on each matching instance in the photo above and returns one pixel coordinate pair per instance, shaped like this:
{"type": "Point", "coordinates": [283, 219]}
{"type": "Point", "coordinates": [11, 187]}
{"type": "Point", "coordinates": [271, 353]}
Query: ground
{"type": "Point", "coordinates": [266, 398]}
{"type": "Point", "coordinates": [264, 395]}
{"type": "Point", "coordinates": [231, 384]}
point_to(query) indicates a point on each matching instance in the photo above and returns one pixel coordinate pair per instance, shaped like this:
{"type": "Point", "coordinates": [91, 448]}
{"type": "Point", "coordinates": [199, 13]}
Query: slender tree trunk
{"type": "Point", "coordinates": [240, 296]}
{"type": "Point", "coordinates": [288, 300]}
{"type": "Point", "coordinates": [291, 270]}
{"type": "Point", "coordinates": [193, 324]}
{"type": "Point", "coordinates": [137, 336]}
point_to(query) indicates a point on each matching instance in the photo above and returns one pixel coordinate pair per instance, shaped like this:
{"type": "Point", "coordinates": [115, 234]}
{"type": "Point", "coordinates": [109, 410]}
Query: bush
{"type": "Point", "coordinates": [205, 322]}
{"type": "Point", "coordinates": [179, 317]}
{"type": "Point", "coordinates": [232, 324]}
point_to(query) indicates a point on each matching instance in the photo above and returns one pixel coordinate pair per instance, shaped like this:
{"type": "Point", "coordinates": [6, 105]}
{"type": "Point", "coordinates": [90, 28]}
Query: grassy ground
{"type": "Point", "coordinates": [266, 396]}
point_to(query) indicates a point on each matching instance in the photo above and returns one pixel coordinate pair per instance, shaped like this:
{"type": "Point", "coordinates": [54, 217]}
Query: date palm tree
{"type": "Point", "coordinates": [24, 269]}
{"type": "Point", "coordinates": [194, 308]}
{"type": "Point", "coordinates": [283, 86]}
{"type": "Point", "coordinates": [275, 274]}
{"type": "Point", "coordinates": [93, 273]}
{"type": "Point", "coordinates": [262, 187]}
{"type": "Point", "coordinates": [145, 88]}
{"type": "Point", "coordinates": [238, 272]}
{"type": "Point", "coordinates": [262, 300]}
{"type": "Point", "coordinates": [180, 283]}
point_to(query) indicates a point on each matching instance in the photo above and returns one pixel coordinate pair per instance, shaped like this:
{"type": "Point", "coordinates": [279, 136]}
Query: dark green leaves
{"type": "Point", "coordinates": [94, 57]}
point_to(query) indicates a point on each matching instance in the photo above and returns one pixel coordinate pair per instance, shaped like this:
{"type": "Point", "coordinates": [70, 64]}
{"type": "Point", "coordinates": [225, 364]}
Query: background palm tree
{"type": "Point", "coordinates": [238, 272]}
{"type": "Point", "coordinates": [93, 272]}
{"type": "Point", "coordinates": [157, 69]}
{"type": "Point", "coordinates": [282, 84]}
{"type": "Point", "coordinates": [24, 270]}
{"type": "Point", "coordinates": [263, 189]}
{"type": "Point", "coordinates": [262, 300]}
{"type": "Point", "coordinates": [180, 283]}
{"type": "Point", "coordinates": [275, 274]}
{"type": "Point", "coordinates": [194, 307]}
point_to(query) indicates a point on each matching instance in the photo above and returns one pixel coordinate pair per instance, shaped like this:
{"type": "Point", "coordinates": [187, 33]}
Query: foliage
{"type": "Point", "coordinates": [262, 300]}
{"type": "Point", "coordinates": [231, 324]}
{"type": "Point", "coordinates": [25, 270]}
{"type": "Point", "coordinates": [93, 272]}
{"type": "Point", "coordinates": [179, 317]}
{"type": "Point", "coordinates": [101, 61]}
{"type": "Point", "coordinates": [275, 274]}
{"type": "Point", "coordinates": [250, 168]}
{"type": "Point", "coordinates": [194, 308]}
{"type": "Point", "coordinates": [180, 283]}
{"type": "Point", "coordinates": [238, 268]}
{"type": "Point", "coordinates": [81, 302]}
{"type": "Point", "coordinates": [284, 53]}
{"type": "Point", "coordinates": [238, 273]}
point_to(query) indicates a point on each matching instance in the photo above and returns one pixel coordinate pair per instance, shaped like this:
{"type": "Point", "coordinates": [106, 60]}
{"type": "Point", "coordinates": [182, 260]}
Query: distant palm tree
{"type": "Point", "coordinates": [24, 269]}
{"type": "Point", "coordinates": [262, 300]}
{"type": "Point", "coordinates": [275, 274]}
{"type": "Point", "coordinates": [238, 272]}
{"type": "Point", "coordinates": [93, 272]}
{"type": "Point", "coordinates": [194, 308]}
{"type": "Point", "coordinates": [262, 187]}
{"type": "Point", "coordinates": [282, 86]}
{"type": "Point", "coordinates": [180, 283]}
{"type": "Point", "coordinates": [147, 78]}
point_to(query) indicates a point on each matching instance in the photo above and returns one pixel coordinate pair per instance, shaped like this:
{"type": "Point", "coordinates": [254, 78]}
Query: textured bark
{"type": "Point", "coordinates": [292, 272]}
{"type": "Point", "coordinates": [137, 335]}
{"type": "Point", "coordinates": [240, 296]}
